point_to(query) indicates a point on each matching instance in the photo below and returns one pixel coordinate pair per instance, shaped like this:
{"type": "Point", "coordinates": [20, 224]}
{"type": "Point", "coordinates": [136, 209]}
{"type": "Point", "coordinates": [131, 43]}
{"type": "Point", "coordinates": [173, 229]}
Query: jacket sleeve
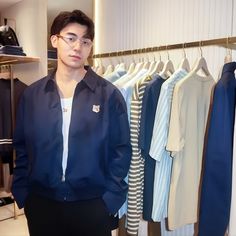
{"type": "Point", "coordinates": [119, 154]}
{"type": "Point", "coordinates": [20, 173]}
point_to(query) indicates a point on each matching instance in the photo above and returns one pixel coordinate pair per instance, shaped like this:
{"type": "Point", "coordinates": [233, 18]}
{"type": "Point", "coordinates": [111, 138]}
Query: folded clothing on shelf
{"type": "Point", "coordinates": [52, 54]}
{"type": "Point", "coordinates": [12, 50]}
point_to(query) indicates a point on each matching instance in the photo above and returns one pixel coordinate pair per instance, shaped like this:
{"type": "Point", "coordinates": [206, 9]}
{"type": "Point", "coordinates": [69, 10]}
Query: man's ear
{"type": "Point", "coordinates": [54, 40]}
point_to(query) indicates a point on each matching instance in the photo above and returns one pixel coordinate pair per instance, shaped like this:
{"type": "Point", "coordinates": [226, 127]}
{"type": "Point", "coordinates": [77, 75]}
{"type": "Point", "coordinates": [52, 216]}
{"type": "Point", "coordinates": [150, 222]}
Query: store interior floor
{"type": "Point", "coordinates": [11, 225]}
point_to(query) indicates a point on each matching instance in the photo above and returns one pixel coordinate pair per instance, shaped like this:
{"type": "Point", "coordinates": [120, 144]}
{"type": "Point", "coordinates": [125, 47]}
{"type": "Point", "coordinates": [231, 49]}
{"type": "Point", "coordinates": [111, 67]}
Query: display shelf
{"type": "Point", "coordinates": [6, 59]}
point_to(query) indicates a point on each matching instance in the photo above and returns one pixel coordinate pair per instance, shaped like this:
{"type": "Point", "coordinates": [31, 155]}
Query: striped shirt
{"type": "Point", "coordinates": [158, 145]}
{"type": "Point", "coordinates": [136, 172]}
{"type": "Point", "coordinates": [127, 91]}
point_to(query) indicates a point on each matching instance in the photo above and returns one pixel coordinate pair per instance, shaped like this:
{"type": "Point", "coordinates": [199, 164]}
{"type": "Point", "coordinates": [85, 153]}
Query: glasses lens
{"type": "Point", "coordinates": [73, 40]}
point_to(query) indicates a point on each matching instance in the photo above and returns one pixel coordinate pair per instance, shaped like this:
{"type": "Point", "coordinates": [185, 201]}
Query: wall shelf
{"type": "Point", "coordinates": [6, 59]}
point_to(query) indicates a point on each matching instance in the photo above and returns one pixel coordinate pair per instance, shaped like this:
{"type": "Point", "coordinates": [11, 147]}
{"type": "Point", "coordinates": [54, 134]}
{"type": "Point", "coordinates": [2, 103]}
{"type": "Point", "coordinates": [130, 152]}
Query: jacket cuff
{"type": "Point", "coordinates": [20, 196]}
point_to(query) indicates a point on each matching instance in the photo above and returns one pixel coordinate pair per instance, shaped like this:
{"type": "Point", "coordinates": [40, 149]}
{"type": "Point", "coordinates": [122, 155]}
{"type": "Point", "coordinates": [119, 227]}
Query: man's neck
{"type": "Point", "coordinates": [67, 75]}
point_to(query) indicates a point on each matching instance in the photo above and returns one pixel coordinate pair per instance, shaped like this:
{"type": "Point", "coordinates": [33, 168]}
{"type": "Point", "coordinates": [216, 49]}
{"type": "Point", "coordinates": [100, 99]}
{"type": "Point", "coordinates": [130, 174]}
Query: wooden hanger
{"type": "Point", "coordinates": [131, 68]}
{"type": "Point", "coordinates": [131, 65]}
{"type": "Point", "coordinates": [110, 67]}
{"type": "Point", "coordinates": [122, 65]}
{"type": "Point", "coordinates": [158, 66]}
{"type": "Point", "coordinates": [201, 64]}
{"type": "Point", "coordinates": [168, 67]}
{"type": "Point", "coordinates": [152, 64]}
{"type": "Point", "coordinates": [100, 69]}
{"type": "Point", "coordinates": [184, 64]}
{"type": "Point", "coordinates": [228, 56]}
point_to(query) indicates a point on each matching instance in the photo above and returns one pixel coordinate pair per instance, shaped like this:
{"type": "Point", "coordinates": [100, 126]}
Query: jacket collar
{"type": "Point", "coordinates": [90, 80]}
{"type": "Point", "coordinates": [229, 67]}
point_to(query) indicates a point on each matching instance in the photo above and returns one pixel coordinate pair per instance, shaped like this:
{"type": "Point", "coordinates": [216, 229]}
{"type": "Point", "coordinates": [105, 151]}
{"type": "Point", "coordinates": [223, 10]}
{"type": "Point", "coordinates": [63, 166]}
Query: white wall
{"type": "Point", "coordinates": [130, 24]}
{"type": "Point", "coordinates": [31, 30]}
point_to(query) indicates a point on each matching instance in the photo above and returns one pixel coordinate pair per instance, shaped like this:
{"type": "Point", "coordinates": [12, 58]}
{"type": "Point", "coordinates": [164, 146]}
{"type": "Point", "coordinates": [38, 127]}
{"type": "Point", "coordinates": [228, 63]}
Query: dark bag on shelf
{"type": "Point", "coordinates": [8, 36]}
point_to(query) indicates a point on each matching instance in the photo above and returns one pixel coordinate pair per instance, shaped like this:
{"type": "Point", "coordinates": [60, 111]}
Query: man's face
{"type": "Point", "coordinates": [73, 48]}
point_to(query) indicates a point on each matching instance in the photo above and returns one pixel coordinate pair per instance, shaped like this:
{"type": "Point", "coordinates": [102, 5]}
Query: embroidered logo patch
{"type": "Point", "coordinates": [96, 108]}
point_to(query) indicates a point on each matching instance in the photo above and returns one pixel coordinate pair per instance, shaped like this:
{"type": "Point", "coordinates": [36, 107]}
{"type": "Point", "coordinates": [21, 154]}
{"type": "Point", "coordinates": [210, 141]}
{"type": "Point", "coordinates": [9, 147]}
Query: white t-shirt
{"type": "Point", "coordinates": [66, 105]}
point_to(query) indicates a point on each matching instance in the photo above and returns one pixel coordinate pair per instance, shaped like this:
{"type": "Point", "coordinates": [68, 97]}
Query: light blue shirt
{"type": "Point", "coordinates": [115, 75]}
{"type": "Point", "coordinates": [158, 145]}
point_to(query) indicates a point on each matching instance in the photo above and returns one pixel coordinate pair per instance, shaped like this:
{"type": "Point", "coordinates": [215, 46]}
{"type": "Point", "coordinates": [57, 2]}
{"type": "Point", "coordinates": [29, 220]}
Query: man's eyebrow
{"type": "Point", "coordinates": [73, 34]}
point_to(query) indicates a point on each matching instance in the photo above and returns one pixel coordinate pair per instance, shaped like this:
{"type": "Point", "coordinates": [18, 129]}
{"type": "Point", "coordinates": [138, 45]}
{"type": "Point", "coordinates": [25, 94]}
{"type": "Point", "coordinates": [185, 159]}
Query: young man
{"type": "Point", "coordinates": [72, 142]}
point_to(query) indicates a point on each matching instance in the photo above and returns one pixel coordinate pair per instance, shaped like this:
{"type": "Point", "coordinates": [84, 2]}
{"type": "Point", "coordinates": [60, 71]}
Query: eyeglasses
{"type": "Point", "coordinates": [71, 40]}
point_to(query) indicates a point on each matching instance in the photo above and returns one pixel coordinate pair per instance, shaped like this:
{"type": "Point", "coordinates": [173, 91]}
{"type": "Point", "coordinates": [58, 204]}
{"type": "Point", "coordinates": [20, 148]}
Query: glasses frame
{"type": "Point", "coordinates": [82, 41]}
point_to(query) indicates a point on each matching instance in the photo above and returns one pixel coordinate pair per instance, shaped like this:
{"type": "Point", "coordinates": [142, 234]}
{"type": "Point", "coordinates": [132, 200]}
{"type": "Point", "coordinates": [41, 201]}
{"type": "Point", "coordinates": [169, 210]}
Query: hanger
{"type": "Point", "coordinates": [228, 56]}
{"type": "Point", "coordinates": [201, 63]}
{"type": "Point", "coordinates": [146, 63]}
{"type": "Point", "coordinates": [184, 64]}
{"type": "Point", "coordinates": [138, 66]}
{"type": "Point", "coordinates": [158, 67]}
{"type": "Point", "coordinates": [131, 65]}
{"type": "Point", "coordinates": [118, 61]}
{"type": "Point", "coordinates": [152, 63]}
{"type": "Point", "coordinates": [168, 67]}
{"type": "Point", "coordinates": [110, 67]}
{"type": "Point", "coordinates": [100, 69]}
{"type": "Point", "coordinates": [121, 64]}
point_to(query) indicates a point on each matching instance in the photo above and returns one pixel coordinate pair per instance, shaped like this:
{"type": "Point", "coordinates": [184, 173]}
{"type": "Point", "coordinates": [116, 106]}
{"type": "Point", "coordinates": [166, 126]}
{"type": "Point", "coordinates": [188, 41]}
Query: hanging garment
{"type": "Point", "coordinates": [158, 147]}
{"type": "Point", "coordinates": [217, 175]}
{"type": "Point", "coordinates": [188, 120]}
{"type": "Point", "coordinates": [136, 171]}
{"type": "Point", "coordinates": [5, 111]}
{"type": "Point", "coordinates": [232, 225]}
{"type": "Point", "coordinates": [187, 230]}
{"type": "Point", "coordinates": [115, 75]}
{"type": "Point", "coordinates": [127, 90]}
{"type": "Point", "coordinates": [149, 105]}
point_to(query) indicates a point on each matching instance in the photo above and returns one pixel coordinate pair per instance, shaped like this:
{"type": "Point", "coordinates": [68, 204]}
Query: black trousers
{"type": "Point", "coordinates": [47, 217]}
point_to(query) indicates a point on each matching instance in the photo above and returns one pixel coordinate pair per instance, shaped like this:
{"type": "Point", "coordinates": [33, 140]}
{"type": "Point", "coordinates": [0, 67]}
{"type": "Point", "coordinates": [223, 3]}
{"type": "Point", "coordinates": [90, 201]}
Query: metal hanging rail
{"type": "Point", "coordinates": [210, 42]}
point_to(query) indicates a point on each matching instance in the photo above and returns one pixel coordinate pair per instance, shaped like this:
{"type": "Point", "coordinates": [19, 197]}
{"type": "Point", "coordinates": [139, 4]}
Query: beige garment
{"type": "Point", "coordinates": [189, 114]}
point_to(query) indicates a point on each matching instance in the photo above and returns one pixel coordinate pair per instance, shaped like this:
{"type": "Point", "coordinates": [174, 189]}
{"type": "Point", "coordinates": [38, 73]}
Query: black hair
{"type": "Point", "coordinates": [76, 16]}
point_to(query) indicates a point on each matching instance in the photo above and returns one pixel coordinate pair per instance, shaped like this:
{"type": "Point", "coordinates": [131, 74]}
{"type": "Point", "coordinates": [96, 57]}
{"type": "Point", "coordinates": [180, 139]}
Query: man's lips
{"type": "Point", "coordinates": [76, 57]}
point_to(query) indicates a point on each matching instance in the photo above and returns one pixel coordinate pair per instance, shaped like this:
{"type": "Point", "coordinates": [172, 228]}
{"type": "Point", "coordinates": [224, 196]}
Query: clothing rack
{"type": "Point", "coordinates": [210, 42]}
{"type": "Point", "coordinates": [8, 70]}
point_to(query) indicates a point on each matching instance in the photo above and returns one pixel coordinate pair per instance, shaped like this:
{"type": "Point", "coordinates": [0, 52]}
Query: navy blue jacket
{"type": "Point", "coordinates": [217, 168]}
{"type": "Point", "coordinates": [99, 149]}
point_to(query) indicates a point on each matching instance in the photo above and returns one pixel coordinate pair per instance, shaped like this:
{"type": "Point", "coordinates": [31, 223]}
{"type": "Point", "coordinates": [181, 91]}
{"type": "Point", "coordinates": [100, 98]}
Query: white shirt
{"type": "Point", "coordinates": [66, 106]}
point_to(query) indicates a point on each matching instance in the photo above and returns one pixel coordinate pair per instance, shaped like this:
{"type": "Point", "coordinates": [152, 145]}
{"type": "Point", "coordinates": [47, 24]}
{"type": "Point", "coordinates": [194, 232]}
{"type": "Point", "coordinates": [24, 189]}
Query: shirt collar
{"type": "Point", "coordinates": [90, 80]}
